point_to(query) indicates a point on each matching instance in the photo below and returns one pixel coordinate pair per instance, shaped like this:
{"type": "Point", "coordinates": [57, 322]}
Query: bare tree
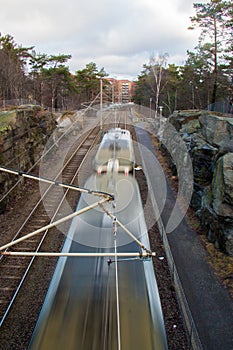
{"type": "Point", "coordinates": [157, 63]}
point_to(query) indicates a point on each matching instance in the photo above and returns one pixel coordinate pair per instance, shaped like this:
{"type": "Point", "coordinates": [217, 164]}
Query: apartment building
{"type": "Point", "coordinates": [121, 91]}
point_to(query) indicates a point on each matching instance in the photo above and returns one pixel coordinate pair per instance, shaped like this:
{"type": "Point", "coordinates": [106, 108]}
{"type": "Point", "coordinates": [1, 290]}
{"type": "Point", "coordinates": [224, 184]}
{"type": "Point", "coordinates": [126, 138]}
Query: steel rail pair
{"type": "Point", "coordinates": [34, 213]}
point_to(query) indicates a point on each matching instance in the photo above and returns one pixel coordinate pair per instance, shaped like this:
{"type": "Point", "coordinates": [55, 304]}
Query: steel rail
{"type": "Point", "coordinates": [42, 198]}
{"type": "Point", "coordinates": [51, 225]}
{"type": "Point", "coordinates": [43, 238]}
{"type": "Point", "coordinates": [34, 254]}
{"type": "Point", "coordinates": [48, 150]}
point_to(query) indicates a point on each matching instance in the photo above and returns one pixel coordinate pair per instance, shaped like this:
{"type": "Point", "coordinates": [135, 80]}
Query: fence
{"type": "Point", "coordinates": [225, 107]}
{"type": "Point", "coordinates": [23, 101]}
{"type": "Point", "coordinates": [17, 102]}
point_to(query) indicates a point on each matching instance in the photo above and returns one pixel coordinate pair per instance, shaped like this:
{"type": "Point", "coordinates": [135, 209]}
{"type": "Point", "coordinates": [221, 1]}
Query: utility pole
{"type": "Point", "coordinates": [150, 105]}
{"type": "Point", "coordinates": [113, 95]}
{"type": "Point", "coordinates": [101, 107]}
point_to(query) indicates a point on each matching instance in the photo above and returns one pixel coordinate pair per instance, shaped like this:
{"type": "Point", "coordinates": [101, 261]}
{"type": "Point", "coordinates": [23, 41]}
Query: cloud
{"type": "Point", "coordinates": [117, 33]}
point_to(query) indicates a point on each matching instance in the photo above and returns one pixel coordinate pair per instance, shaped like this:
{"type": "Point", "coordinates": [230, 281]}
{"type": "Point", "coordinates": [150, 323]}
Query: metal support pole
{"type": "Point", "coordinates": [107, 254]}
{"type": "Point", "coordinates": [113, 99]}
{"type": "Point", "coordinates": [101, 108]}
{"type": "Point", "coordinates": [150, 105]}
{"type": "Point", "coordinates": [117, 283]}
{"type": "Point", "coordinates": [125, 229]}
{"type": "Point", "coordinates": [57, 183]}
{"type": "Point", "coordinates": [53, 224]}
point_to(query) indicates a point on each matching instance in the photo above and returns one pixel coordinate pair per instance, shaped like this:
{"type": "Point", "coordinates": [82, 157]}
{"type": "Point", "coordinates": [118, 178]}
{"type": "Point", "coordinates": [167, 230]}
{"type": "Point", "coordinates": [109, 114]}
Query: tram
{"type": "Point", "coordinates": [104, 301]}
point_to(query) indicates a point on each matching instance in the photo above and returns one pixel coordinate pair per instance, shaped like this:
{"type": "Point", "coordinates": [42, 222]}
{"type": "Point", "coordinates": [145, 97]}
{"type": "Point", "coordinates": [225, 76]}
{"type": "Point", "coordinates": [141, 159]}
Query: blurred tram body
{"type": "Point", "coordinates": [80, 309]}
{"type": "Point", "coordinates": [115, 152]}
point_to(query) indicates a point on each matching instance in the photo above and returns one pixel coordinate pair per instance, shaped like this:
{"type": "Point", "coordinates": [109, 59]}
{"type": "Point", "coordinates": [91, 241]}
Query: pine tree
{"type": "Point", "coordinates": [210, 18]}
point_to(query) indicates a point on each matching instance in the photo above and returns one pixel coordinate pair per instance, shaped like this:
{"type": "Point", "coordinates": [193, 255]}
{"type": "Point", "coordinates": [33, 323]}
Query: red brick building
{"type": "Point", "coordinates": [121, 91]}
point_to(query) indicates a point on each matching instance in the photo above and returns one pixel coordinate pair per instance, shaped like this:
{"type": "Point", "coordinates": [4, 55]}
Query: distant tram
{"type": "Point", "coordinates": [115, 152]}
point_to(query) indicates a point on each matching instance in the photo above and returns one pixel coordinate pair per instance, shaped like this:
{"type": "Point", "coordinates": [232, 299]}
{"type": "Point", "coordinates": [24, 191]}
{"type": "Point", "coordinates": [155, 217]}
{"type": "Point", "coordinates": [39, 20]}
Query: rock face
{"type": "Point", "coordinates": [209, 139]}
{"type": "Point", "coordinates": [23, 134]}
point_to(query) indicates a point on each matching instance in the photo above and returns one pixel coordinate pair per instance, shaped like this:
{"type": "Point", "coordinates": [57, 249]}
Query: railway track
{"type": "Point", "coordinates": [14, 270]}
{"type": "Point", "coordinates": [21, 318]}
{"type": "Point", "coordinates": [20, 277]}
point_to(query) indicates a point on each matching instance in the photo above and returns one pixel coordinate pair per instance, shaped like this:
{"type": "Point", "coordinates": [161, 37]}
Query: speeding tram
{"type": "Point", "coordinates": [115, 152]}
{"type": "Point", "coordinates": [104, 301]}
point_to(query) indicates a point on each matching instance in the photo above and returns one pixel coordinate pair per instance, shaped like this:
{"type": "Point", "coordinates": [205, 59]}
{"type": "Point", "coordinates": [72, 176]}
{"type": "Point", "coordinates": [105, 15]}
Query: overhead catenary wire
{"type": "Point", "coordinates": [57, 183]}
{"type": "Point", "coordinates": [106, 198]}
{"type": "Point", "coordinates": [125, 229]}
{"type": "Point", "coordinates": [47, 151]}
{"type": "Point", "coordinates": [38, 161]}
{"type": "Point", "coordinates": [17, 158]}
{"type": "Point", "coordinates": [115, 254]}
{"type": "Point", "coordinates": [55, 179]}
{"type": "Point", "coordinates": [53, 224]}
{"type": "Point", "coordinates": [32, 257]}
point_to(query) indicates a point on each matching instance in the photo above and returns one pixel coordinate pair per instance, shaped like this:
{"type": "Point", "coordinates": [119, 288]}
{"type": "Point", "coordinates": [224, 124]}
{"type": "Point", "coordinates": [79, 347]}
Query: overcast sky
{"type": "Point", "coordinates": [119, 35]}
